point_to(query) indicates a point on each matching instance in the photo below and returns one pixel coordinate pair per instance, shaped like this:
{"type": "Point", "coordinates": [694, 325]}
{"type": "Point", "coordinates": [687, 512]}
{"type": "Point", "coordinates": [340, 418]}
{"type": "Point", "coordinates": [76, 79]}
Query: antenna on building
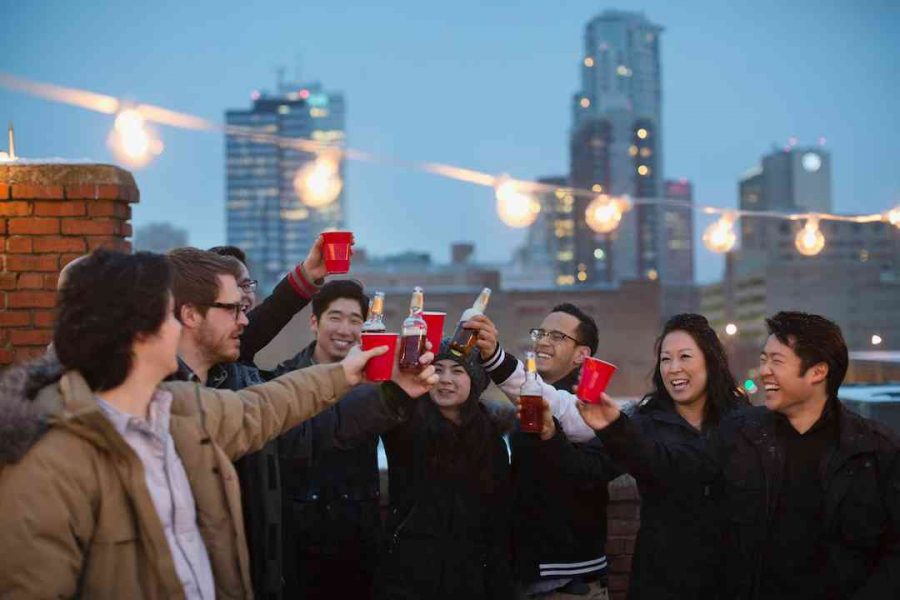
{"type": "Point", "coordinates": [12, 142]}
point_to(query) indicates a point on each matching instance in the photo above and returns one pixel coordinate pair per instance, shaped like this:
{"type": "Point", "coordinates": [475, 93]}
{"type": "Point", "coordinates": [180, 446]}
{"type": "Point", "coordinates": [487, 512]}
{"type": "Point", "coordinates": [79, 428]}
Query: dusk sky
{"type": "Point", "coordinates": [485, 85]}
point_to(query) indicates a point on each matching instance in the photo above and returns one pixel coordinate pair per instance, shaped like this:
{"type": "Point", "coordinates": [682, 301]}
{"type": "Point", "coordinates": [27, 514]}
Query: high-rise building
{"type": "Point", "coordinates": [265, 216]}
{"type": "Point", "coordinates": [616, 145]}
{"type": "Point", "coordinates": [793, 179]}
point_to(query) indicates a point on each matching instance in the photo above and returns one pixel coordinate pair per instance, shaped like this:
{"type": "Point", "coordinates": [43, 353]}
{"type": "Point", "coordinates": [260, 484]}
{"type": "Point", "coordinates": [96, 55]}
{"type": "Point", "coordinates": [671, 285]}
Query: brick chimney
{"type": "Point", "coordinates": [51, 214]}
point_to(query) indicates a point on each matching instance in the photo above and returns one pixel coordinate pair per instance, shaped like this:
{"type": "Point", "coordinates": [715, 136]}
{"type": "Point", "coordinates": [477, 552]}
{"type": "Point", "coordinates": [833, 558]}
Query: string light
{"type": "Point", "coordinates": [604, 214]}
{"type": "Point", "coordinates": [515, 207]}
{"type": "Point", "coordinates": [132, 142]}
{"type": "Point", "coordinates": [731, 329]}
{"type": "Point", "coordinates": [318, 183]}
{"type": "Point", "coordinates": [810, 240]}
{"type": "Point", "coordinates": [136, 144]}
{"type": "Point", "coordinates": [720, 236]}
{"type": "Point", "coordinates": [893, 216]}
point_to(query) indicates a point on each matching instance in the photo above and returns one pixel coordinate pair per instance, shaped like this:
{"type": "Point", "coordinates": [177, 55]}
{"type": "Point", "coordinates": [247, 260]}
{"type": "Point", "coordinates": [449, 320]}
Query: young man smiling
{"type": "Point", "coordinates": [811, 491]}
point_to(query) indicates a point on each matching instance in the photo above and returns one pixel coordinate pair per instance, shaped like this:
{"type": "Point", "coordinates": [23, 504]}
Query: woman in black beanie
{"type": "Point", "coordinates": [448, 526]}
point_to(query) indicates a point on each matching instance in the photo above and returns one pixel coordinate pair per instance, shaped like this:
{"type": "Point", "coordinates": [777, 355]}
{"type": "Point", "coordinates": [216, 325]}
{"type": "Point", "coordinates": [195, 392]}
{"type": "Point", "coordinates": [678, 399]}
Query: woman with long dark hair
{"type": "Point", "coordinates": [448, 526]}
{"type": "Point", "coordinates": [662, 444]}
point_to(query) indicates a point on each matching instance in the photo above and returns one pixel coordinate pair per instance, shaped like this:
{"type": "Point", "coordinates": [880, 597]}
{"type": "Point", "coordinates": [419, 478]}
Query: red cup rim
{"type": "Point", "coordinates": [608, 364]}
{"type": "Point", "coordinates": [433, 312]}
{"type": "Point", "coordinates": [340, 233]}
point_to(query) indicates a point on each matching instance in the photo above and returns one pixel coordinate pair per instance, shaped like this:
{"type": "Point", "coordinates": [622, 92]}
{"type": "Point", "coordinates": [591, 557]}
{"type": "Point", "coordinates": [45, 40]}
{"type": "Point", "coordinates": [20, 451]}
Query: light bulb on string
{"type": "Point", "coordinates": [515, 207]}
{"type": "Point", "coordinates": [893, 216]}
{"type": "Point", "coordinates": [132, 141]}
{"type": "Point", "coordinates": [318, 183]}
{"type": "Point", "coordinates": [604, 214]}
{"type": "Point", "coordinates": [720, 236]}
{"type": "Point", "coordinates": [810, 240]}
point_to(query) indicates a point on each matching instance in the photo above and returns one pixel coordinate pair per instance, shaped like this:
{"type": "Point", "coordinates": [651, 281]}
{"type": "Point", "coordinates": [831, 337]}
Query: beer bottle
{"type": "Point", "coordinates": [531, 401]}
{"type": "Point", "coordinates": [375, 322]}
{"type": "Point", "coordinates": [463, 339]}
{"type": "Point", "coordinates": [412, 337]}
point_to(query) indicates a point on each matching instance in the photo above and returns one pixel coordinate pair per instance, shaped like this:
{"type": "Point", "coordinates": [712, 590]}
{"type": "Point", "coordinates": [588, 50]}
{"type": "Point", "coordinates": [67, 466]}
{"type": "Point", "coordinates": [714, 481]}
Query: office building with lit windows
{"type": "Point", "coordinates": [616, 147]}
{"type": "Point", "coordinates": [265, 216]}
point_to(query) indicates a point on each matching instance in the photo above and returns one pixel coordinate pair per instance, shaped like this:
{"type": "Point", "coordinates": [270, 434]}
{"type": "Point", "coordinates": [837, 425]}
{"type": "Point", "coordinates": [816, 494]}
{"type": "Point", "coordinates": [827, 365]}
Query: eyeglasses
{"type": "Point", "coordinates": [237, 308]}
{"type": "Point", "coordinates": [557, 337]}
{"type": "Point", "coordinates": [248, 285]}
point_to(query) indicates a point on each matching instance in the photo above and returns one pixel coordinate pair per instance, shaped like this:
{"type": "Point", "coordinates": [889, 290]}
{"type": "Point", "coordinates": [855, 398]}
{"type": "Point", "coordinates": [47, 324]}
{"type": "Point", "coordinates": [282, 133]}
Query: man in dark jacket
{"type": "Point", "coordinates": [811, 491]}
{"type": "Point", "coordinates": [332, 525]}
{"type": "Point", "coordinates": [559, 518]}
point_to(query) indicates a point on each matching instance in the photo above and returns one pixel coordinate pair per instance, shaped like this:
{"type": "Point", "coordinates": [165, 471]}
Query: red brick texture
{"type": "Point", "coordinates": [623, 521]}
{"type": "Point", "coordinates": [50, 215]}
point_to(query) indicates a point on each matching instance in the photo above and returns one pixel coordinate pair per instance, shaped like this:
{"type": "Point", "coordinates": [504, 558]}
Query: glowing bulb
{"type": "Point", "coordinates": [642, 133]}
{"type": "Point", "coordinates": [318, 183]}
{"type": "Point", "coordinates": [515, 207]}
{"type": "Point", "coordinates": [731, 329]}
{"type": "Point", "coordinates": [720, 236]}
{"type": "Point", "coordinates": [876, 340]}
{"type": "Point", "coordinates": [132, 141]}
{"type": "Point", "coordinates": [589, 62]}
{"type": "Point", "coordinates": [585, 102]}
{"type": "Point", "coordinates": [604, 214]}
{"type": "Point", "coordinates": [893, 216]}
{"type": "Point", "coordinates": [809, 240]}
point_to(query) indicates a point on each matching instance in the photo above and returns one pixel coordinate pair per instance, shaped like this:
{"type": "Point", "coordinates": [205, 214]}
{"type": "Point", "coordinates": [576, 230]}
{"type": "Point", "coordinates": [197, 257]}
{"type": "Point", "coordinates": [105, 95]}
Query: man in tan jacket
{"type": "Point", "coordinates": [115, 485]}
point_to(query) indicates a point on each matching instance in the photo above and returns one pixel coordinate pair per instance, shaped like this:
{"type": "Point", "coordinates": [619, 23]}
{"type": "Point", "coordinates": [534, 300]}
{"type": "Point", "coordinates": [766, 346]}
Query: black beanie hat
{"type": "Point", "coordinates": [471, 364]}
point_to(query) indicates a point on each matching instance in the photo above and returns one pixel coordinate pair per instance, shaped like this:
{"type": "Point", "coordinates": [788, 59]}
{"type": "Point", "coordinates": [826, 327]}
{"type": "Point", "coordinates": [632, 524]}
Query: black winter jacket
{"type": "Point", "coordinates": [678, 548]}
{"type": "Point", "coordinates": [861, 511]}
{"type": "Point", "coordinates": [446, 538]}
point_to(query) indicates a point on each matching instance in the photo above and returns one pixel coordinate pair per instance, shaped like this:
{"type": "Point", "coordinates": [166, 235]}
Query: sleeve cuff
{"type": "Point", "coordinates": [495, 360]}
{"type": "Point", "coordinates": [301, 282]}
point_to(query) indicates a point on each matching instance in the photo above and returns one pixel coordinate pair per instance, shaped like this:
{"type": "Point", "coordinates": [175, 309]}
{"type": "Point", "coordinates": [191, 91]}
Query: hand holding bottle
{"type": "Point", "coordinates": [487, 333]}
{"type": "Point", "coordinates": [548, 427]}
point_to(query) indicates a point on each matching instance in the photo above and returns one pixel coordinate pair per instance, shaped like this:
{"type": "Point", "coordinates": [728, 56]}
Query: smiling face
{"type": "Point", "coordinates": [682, 367]}
{"type": "Point", "coordinates": [555, 360]}
{"type": "Point", "coordinates": [787, 388]}
{"type": "Point", "coordinates": [337, 330]}
{"type": "Point", "coordinates": [454, 384]}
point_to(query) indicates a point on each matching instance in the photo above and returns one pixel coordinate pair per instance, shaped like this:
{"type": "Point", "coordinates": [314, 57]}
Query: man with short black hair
{"type": "Point", "coordinates": [332, 527]}
{"type": "Point", "coordinates": [811, 491]}
{"type": "Point", "coordinates": [564, 550]}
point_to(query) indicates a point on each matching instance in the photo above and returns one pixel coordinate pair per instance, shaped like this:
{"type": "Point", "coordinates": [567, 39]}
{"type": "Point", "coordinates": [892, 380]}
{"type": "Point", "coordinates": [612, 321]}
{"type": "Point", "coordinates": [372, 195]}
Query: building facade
{"type": "Point", "coordinates": [265, 216]}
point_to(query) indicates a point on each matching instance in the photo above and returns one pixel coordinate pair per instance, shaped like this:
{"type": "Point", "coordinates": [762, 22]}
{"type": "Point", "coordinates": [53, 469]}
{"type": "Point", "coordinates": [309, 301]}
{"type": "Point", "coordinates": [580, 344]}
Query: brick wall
{"type": "Point", "coordinates": [51, 214]}
{"type": "Point", "coordinates": [623, 521]}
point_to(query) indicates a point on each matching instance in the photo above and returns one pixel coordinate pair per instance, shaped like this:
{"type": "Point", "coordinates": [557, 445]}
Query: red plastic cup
{"type": "Point", "coordinates": [380, 368]}
{"type": "Point", "coordinates": [595, 375]}
{"type": "Point", "coordinates": [336, 251]}
{"type": "Point", "coordinates": [435, 323]}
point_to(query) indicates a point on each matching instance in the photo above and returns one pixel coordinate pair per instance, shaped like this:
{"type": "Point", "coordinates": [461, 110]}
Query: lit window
{"type": "Point", "coordinates": [642, 133]}
{"type": "Point", "coordinates": [565, 280]}
{"type": "Point", "coordinates": [633, 150]}
{"type": "Point", "coordinates": [582, 276]}
{"type": "Point", "coordinates": [643, 170]}
{"type": "Point", "coordinates": [645, 152]}
{"type": "Point", "coordinates": [599, 254]}
{"type": "Point", "coordinates": [652, 275]}
{"type": "Point", "coordinates": [597, 187]}
{"type": "Point", "coordinates": [585, 103]}
{"type": "Point", "coordinates": [623, 71]}
{"type": "Point", "coordinates": [863, 255]}
{"type": "Point", "coordinates": [318, 112]}
{"type": "Point", "coordinates": [284, 109]}
{"type": "Point", "coordinates": [589, 62]}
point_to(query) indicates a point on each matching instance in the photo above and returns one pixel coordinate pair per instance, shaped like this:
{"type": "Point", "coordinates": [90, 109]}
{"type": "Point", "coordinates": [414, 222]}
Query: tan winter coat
{"type": "Point", "coordinates": [76, 518]}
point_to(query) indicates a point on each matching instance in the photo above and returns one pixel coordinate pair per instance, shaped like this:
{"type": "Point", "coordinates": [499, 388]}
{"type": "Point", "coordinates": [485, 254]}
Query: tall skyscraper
{"type": "Point", "coordinates": [265, 216]}
{"type": "Point", "coordinates": [616, 145]}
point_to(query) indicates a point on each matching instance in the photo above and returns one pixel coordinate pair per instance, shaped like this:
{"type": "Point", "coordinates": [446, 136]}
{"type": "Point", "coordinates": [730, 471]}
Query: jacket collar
{"type": "Point", "coordinates": [306, 356]}
{"type": "Point", "coordinates": [568, 382]}
{"type": "Point", "coordinates": [214, 379]}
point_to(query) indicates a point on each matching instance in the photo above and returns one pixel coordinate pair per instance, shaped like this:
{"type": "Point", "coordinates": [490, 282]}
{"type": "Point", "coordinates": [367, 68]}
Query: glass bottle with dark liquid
{"type": "Point", "coordinates": [531, 400]}
{"type": "Point", "coordinates": [412, 336]}
{"type": "Point", "coordinates": [463, 339]}
{"type": "Point", "coordinates": [375, 322]}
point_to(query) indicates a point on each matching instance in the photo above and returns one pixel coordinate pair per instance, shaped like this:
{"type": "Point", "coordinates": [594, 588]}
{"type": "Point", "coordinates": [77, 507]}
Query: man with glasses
{"type": "Point", "coordinates": [563, 552]}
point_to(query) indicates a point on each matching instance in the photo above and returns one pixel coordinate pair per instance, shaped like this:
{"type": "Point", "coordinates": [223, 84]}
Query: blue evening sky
{"type": "Point", "coordinates": [484, 84]}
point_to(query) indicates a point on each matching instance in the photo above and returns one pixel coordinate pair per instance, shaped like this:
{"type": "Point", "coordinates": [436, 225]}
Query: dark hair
{"type": "Point", "coordinates": [722, 394]}
{"type": "Point", "coordinates": [815, 340]}
{"type": "Point", "coordinates": [587, 327]}
{"type": "Point", "coordinates": [232, 251]}
{"type": "Point", "coordinates": [196, 276]}
{"type": "Point", "coordinates": [340, 288]}
{"type": "Point", "coordinates": [108, 299]}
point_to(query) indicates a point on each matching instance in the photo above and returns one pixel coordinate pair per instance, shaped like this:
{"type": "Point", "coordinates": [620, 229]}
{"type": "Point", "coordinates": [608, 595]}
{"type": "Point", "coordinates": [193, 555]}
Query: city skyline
{"type": "Point", "coordinates": [468, 88]}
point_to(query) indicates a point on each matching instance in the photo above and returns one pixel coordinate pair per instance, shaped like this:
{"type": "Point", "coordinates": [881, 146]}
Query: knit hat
{"type": "Point", "coordinates": [471, 364]}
